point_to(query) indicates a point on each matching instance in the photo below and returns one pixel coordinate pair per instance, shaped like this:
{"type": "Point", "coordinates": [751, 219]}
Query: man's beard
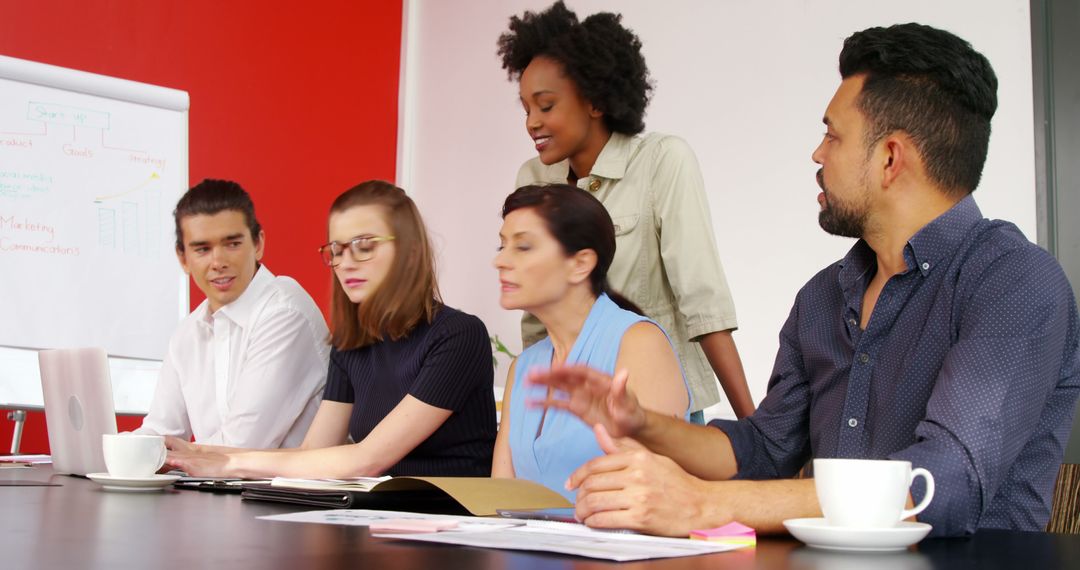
{"type": "Point", "coordinates": [838, 219]}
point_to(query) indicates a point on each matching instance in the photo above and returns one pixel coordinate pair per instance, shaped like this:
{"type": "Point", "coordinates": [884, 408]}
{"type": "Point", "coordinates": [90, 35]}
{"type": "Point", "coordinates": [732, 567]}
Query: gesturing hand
{"type": "Point", "coordinates": [593, 396]}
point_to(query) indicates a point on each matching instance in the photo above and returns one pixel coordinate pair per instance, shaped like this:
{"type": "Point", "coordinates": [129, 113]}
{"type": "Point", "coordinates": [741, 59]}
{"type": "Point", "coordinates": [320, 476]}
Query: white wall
{"type": "Point", "coordinates": [746, 83]}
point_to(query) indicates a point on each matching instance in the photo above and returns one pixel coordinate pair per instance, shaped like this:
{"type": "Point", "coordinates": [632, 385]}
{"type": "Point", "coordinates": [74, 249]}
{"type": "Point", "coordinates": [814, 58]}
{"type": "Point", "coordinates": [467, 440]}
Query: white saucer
{"type": "Point", "coordinates": [817, 533]}
{"type": "Point", "coordinates": [155, 482]}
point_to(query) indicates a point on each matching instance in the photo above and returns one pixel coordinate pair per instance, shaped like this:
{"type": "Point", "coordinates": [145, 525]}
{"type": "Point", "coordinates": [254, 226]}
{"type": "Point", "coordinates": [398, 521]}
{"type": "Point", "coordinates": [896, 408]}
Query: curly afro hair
{"type": "Point", "coordinates": [599, 55]}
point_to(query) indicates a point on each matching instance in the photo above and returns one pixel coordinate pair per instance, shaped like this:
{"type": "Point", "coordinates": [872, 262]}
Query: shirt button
{"type": "Point", "coordinates": [852, 422]}
{"type": "Point", "coordinates": [852, 322]}
{"type": "Point", "coordinates": [864, 358]}
{"type": "Point", "coordinates": [594, 185]}
{"type": "Point", "coordinates": [925, 266]}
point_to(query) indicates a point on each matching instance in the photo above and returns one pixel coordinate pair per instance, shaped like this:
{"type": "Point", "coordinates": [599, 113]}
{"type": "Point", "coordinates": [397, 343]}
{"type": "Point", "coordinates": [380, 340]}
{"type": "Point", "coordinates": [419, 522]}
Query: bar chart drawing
{"type": "Point", "coordinates": [128, 221]}
{"type": "Point", "coordinates": [106, 227]}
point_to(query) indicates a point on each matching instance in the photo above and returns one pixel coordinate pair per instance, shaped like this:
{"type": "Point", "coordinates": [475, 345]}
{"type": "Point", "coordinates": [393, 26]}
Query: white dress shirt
{"type": "Point", "coordinates": [249, 375]}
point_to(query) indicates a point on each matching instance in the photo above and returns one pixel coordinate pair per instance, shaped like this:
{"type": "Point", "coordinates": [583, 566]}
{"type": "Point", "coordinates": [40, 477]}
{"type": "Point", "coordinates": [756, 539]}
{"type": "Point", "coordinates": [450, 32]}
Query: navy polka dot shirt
{"type": "Point", "coordinates": [969, 367]}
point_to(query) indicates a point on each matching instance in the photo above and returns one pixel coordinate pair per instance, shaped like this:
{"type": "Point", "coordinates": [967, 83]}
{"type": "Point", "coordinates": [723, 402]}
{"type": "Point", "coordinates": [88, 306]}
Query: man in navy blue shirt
{"type": "Point", "coordinates": [942, 338]}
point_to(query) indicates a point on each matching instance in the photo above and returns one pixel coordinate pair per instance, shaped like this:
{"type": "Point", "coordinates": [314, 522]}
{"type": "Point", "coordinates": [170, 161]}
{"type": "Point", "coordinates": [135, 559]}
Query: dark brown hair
{"type": "Point", "coordinates": [578, 221]}
{"type": "Point", "coordinates": [931, 85]}
{"type": "Point", "coordinates": [210, 197]}
{"type": "Point", "coordinates": [408, 294]}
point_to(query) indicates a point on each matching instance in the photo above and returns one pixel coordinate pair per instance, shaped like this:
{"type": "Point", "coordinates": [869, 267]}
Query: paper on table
{"type": "Point", "coordinates": [4, 464]}
{"type": "Point", "coordinates": [513, 535]}
{"type": "Point", "coordinates": [350, 484]}
{"type": "Point", "coordinates": [573, 527]}
{"type": "Point", "coordinates": [34, 459]}
{"type": "Point", "coordinates": [606, 546]}
{"type": "Point", "coordinates": [366, 517]}
{"type": "Point", "coordinates": [403, 526]}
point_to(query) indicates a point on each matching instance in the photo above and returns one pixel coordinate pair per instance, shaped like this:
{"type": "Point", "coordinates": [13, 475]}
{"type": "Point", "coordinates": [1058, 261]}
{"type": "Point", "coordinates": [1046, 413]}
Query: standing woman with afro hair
{"type": "Point", "coordinates": [584, 86]}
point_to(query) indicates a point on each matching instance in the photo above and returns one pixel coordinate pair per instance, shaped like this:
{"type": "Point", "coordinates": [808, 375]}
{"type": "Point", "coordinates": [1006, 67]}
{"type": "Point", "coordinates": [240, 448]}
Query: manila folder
{"type": "Point", "coordinates": [481, 496]}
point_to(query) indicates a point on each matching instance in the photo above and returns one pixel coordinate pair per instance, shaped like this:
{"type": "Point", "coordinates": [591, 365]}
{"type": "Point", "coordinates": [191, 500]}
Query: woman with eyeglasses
{"type": "Point", "coordinates": [410, 378]}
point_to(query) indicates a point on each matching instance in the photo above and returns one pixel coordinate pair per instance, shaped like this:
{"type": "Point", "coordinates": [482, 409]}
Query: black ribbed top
{"type": "Point", "coordinates": [445, 363]}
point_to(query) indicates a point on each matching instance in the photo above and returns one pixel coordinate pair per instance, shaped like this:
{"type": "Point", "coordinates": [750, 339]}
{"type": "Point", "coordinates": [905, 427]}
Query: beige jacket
{"type": "Point", "coordinates": [666, 259]}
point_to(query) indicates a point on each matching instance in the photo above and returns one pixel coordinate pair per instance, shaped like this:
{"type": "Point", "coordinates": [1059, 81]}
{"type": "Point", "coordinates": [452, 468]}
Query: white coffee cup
{"type": "Point", "coordinates": [867, 493]}
{"type": "Point", "coordinates": [132, 455]}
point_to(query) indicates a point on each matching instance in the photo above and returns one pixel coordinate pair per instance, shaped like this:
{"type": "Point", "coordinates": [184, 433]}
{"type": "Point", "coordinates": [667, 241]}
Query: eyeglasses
{"type": "Point", "coordinates": [362, 249]}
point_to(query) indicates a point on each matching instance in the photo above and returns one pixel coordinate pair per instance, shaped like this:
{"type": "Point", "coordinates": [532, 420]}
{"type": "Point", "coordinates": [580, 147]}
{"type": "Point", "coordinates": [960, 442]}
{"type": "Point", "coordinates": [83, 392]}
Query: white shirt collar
{"type": "Point", "coordinates": [239, 311]}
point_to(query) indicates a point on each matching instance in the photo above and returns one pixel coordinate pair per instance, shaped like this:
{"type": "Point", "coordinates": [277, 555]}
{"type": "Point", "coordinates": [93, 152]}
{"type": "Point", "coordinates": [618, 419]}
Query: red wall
{"type": "Point", "coordinates": [297, 102]}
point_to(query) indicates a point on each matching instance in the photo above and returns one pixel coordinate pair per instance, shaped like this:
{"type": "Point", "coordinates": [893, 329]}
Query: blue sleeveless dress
{"type": "Point", "coordinates": [566, 442]}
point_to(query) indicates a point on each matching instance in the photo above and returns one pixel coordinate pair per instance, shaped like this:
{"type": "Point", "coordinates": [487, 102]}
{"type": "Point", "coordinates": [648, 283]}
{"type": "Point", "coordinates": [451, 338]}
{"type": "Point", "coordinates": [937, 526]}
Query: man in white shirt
{"type": "Point", "coordinates": [248, 366]}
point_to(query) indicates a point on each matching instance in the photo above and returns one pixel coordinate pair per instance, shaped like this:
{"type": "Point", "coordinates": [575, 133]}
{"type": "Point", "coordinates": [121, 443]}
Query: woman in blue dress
{"type": "Point", "coordinates": [557, 243]}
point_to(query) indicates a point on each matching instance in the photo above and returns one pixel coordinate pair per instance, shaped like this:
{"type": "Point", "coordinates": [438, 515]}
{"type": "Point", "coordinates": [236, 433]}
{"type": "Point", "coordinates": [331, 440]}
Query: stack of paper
{"type": "Point", "coordinates": [512, 534]}
{"type": "Point", "coordinates": [350, 484]}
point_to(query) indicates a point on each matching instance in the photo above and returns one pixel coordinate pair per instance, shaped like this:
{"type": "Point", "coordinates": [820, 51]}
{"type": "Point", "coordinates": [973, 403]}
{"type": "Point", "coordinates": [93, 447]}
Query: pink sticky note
{"type": "Point", "coordinates": [406, 526]}
{"type": "Point", "coordinates": [731, 532]}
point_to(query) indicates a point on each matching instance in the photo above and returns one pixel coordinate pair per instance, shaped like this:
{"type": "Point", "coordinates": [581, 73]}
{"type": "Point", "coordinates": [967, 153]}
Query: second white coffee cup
{"type": "Point", "coordinates": [866, 493]}
{"type": "Point", "coordinates": [132, 455]}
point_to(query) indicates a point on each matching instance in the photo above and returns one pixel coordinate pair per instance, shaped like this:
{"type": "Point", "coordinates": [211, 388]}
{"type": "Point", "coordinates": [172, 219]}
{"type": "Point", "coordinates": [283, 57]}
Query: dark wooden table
{"type": "Point", "coordinates": [79, 525]}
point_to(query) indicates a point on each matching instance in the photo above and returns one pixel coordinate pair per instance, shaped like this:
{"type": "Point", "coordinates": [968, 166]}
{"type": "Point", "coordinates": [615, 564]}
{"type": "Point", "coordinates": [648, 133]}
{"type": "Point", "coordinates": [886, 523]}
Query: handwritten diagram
{"type": "Point", "coordinates": [90, 169]}
{"type": "Point", "coordinates": [76, 141]}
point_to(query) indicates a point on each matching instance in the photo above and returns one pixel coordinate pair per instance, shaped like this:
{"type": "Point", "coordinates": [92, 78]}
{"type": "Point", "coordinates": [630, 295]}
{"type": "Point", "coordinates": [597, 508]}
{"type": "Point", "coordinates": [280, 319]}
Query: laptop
{"type": "Point", "coordinates": [78, 407]}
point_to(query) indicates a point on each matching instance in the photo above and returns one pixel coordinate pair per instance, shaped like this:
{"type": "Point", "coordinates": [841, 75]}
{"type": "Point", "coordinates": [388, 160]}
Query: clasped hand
{"type": "Point", "coordinates": [633, 488]}
{"type": "Point", "coordinates": [629, 487]}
